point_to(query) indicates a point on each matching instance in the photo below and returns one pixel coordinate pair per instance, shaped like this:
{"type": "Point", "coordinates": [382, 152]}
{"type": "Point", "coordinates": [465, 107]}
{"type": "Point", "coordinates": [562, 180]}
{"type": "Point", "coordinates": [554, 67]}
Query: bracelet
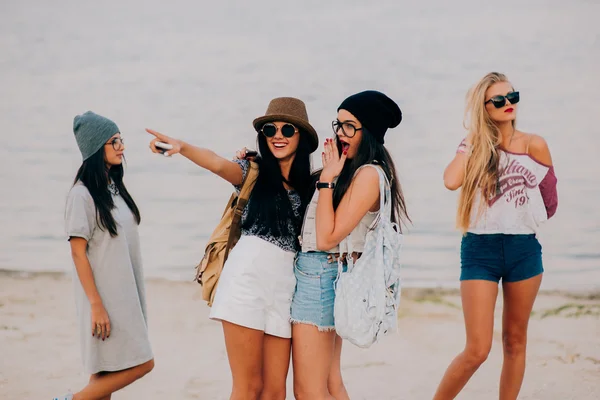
{"type": "Point", "coordinates": [325, 185]}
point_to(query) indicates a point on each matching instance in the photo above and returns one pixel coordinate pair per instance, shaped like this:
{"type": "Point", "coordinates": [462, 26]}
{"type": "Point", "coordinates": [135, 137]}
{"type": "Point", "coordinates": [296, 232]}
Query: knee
{"type": "Point", "coordinates": [273, 392]}
{"type": "Point", "coordinates": [336, 387]}
{"type": "Point", "coordinates": [250, 389]}
{"type": "Point", "coordinates": [302, 392]}
{"type": "Point", "coordinates": [273, 395]}
{"type": "Point", "coordinates": [150, 365]}
{"type": "Point", "coordinates": [312, 396]}
{"type": "Point", "coordinates": [477, 354]}
{"type": "Point", "coordinates": [514, 343]}
{"type": "Point", "coordinates": [145, 368]}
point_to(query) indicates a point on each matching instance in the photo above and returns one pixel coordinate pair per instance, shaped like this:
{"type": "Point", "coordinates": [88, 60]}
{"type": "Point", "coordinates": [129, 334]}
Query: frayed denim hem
{"type": "Point", "coordinates": [320, 328]}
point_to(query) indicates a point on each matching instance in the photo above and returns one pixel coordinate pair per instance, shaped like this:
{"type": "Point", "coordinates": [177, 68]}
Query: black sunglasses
{"type": "Point", "coordinates": [269, 130]}
{"type": "Point", "coordinates": [500, 101]}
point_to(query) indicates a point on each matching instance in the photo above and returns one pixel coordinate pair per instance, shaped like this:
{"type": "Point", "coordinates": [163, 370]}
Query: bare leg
{"type": "Point", "coordinates": [96, 376]}
{"type": "Point", "coordinates": [276, 364]}
{"type": "Point", "coordinates": [335, 383]}
{"type": "Point", "coordinates": [518, 303]}
{"type": "Point", "coordinates": [245, 351]}
{"type": "Point", "coordinates": [478, 301]}
{"type": "Point", "coordinates": [102, 385]}
{"type": "Point", "coordinates": [312, 355]}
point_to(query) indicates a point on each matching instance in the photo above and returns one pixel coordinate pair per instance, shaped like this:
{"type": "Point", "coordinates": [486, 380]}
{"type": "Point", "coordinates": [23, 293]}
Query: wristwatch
{"type": "Point", "coordinates": [325, 185]}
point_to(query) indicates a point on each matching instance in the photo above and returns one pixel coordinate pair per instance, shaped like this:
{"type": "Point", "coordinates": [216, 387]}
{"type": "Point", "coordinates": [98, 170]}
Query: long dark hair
{"type": "Point", "coordinates": [269, 202]}
{"type": "Point", "coordinates": [370, 151]}
{"type": "Point", "coordinates": [94, 174]}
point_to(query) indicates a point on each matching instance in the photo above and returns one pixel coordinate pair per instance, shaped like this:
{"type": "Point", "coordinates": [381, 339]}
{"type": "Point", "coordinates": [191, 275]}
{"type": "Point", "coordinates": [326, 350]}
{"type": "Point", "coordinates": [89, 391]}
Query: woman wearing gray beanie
{"type": "Point", "coordinates": [101, 222]}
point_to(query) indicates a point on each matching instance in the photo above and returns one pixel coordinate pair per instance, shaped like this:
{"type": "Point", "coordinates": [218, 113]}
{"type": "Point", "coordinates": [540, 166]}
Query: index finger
{"type": "Point", "coordinates": [153, 132]}
{"type": "Point", "coordinates": [333, 150]}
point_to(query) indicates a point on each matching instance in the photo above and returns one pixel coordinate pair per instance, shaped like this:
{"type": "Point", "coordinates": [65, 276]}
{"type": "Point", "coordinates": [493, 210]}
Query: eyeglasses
{"type": "Point", "coordinates": [500, 101]}
{"type": "Point", "coordinates": [117, 143]}
{"type": "Point", "coordinates": [287, 130]}
{"type": "Point", "coordinates": [348, 129]}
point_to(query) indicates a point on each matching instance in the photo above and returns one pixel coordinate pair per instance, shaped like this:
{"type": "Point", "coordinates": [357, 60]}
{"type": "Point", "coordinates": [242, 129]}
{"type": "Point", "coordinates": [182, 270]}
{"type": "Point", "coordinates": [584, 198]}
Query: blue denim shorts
{"type": "Point", "coordinates": [492, 257]}
{"type": "Point", "coordinates": [315, 294]}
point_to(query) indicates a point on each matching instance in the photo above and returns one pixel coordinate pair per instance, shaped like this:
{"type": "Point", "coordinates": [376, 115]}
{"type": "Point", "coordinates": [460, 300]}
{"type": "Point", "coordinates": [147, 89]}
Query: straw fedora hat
{"type": "Point", "coordinates": [292, 110]}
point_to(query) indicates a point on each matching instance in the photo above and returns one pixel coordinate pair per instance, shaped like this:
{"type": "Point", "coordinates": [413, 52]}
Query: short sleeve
{"type": "Point", "coordinates": [244, 165]}
{"type": "Point", "coordinates": [80, 213]}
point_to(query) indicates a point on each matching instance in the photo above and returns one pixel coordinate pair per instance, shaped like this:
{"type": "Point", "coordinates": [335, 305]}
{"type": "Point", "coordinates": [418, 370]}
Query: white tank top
{"type": "Point", "coordinates": [308, 236]}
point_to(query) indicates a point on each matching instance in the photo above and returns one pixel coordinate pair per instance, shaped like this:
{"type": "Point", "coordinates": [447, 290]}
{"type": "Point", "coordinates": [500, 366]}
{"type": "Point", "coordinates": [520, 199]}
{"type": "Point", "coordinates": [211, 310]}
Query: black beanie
{"type": "Point", "coordinates": [375, 111]}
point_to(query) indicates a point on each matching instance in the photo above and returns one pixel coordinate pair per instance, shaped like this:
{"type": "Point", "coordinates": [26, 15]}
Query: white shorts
{"type": "Point", "coordinates": [256, 287]}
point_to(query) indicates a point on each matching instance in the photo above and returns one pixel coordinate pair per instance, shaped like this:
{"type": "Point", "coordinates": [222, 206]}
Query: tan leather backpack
{"type": "Point", "coordinates": [224, 237]}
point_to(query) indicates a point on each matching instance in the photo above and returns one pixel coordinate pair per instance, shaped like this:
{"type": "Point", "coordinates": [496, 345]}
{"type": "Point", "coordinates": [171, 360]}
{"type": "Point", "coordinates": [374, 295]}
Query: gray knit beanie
{"type": "Point", "coordinates": [92, 131]}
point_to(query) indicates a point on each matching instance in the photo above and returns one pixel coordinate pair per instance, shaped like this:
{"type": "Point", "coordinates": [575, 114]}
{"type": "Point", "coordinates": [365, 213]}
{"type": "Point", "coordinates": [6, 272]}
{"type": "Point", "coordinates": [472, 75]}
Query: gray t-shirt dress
{"type": "Point", "coordinates": [117, 266]}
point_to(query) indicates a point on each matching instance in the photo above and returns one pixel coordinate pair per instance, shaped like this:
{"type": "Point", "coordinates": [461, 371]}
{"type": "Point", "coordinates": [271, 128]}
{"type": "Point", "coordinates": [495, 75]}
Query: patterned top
{"type": "Point", "coordinates": [526, 197]}
{"type": "Point", "coordinates": [112, 188]}
{"type": "Point", "coordinates": [289, 241]}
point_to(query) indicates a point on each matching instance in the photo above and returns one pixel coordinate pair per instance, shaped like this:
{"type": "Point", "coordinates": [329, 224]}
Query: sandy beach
{"type": "Point", "coordinates": [40, 347]}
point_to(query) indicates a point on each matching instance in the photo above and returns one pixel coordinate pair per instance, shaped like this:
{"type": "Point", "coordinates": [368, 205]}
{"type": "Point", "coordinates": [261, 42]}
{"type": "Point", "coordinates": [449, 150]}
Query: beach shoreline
{"type": "Point", "coordinates": [40, 345]}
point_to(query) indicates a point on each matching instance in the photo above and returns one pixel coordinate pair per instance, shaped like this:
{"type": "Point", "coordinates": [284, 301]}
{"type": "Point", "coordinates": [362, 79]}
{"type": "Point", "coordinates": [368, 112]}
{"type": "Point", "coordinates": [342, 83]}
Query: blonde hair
{"type": "Point", "coordinates": [481, 172]}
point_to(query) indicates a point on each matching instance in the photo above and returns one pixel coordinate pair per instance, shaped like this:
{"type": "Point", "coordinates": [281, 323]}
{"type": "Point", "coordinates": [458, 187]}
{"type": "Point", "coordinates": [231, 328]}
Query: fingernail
{"type": "Point", "coordinates": [345, 152]}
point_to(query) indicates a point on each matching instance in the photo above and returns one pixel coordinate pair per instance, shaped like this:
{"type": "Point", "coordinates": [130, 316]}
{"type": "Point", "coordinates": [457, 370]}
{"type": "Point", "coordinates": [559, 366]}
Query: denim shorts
{"type": "Point", "coordinates": [492, 257]}
{"type": "Point", "coordinates": [313, 299]}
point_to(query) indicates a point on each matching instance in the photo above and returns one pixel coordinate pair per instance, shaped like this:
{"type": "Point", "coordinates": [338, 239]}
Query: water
{"type": "Point", "coordinates": [202, 71]}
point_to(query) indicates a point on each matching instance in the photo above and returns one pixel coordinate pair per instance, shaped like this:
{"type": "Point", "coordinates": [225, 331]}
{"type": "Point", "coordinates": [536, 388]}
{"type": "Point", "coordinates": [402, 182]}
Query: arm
{"type": "Point", "coordinates": [84, 270]}
{"type": "Point", "coordinates": [80, 222]}
{"type": "Point", "coordinates": [539, 151]}
{"type": "Point", "coordinates": [86, 277]}
{"type": "Point", "coordinates": [216, 164]}
{"type": "Point", "coordinates": [455, 171]}
{"type": "Point", "coordinates": [362, 196]}
{"type": "Point", "coordinates": [207, 159]}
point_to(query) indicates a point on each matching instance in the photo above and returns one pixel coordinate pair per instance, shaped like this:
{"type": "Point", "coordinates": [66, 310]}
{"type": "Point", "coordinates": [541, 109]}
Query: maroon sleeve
{"type": "Point", "coordinates": [549, 192]}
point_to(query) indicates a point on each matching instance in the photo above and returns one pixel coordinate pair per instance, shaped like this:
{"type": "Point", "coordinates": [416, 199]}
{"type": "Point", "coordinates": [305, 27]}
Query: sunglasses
{"type": "Point", "coordinates": [287, 130]}
{"type": "Point", "coordinates": [500, 101]}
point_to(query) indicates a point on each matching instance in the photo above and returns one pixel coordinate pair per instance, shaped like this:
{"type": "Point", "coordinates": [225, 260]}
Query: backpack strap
{"type": "Point", "coordinates": [240, 204]}
{"type": "Point", "coordinates": [246, 190]}
{"type": "Point", "coordinates": [384, 211]}
{"type": "Point", "coordinates": [384, 193]}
